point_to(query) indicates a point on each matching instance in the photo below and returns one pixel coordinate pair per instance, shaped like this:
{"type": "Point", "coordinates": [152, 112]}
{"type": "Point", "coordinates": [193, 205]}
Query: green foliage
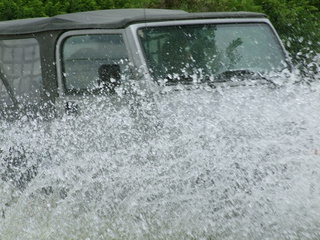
{"type": "Point", "coordinates": [52, 8]}
{"type": "Point", "coordinates": [8, 10]}
{"type": "Point", "coordinates": [297, 21]}
{"type": "Point", "coordinates": [221, 5]}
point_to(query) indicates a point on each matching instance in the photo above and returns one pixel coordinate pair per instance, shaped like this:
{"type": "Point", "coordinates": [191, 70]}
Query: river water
{"type": "Point", "coordinates": [224, 163]}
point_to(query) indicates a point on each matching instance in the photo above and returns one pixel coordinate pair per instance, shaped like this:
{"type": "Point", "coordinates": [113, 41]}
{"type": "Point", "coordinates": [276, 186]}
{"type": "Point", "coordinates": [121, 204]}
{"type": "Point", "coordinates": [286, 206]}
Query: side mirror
{"type": "Point", "coordinates": [110, 77]}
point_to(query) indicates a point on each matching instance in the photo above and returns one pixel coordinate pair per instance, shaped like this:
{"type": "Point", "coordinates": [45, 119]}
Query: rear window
{"type": "Point", "coordinates": [20, 71]}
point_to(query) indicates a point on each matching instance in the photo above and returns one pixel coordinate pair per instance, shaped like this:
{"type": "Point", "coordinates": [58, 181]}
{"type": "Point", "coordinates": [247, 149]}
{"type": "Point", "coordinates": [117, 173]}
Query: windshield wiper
{"type": "Point", "coordinates": [233, 76]}
{"type": "Point", "coordinates": [241, 75]}
{"type": "Point", "coordinates": [236, 75]}
{"type": "Point", "coordinates": [180, 79]}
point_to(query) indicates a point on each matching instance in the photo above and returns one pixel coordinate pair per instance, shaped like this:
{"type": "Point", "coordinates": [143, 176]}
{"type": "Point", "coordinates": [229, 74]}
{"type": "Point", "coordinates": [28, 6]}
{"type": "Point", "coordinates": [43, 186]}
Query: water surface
{"type": "Point", "coordinates": [224, 163]}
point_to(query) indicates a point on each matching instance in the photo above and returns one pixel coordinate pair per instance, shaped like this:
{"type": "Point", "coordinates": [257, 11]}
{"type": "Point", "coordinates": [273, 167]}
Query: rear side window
{"type": "Point", "coordinates": [20, 78]}
{"type": "Point", "coordinates": [84, 57]}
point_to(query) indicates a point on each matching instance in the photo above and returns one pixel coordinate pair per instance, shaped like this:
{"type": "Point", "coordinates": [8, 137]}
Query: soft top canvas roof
{"type": "Point", "coordinates": [115, 18]}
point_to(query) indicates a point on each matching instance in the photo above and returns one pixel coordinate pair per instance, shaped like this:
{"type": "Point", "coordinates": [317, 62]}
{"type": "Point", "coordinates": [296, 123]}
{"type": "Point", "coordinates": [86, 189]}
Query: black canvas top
{"type": "Point", "coordinates": [116, 18]}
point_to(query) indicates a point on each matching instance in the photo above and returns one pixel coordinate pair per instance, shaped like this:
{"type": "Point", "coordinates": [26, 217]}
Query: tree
{"type": "Point", "coordinates": [8, 10]}
{"type": "Point", "coordinates": [297, 22]}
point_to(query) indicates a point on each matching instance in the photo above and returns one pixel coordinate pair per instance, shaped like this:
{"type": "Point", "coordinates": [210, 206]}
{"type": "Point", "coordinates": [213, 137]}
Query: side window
{"type": "Point", "coordinates": [5, 99]}
{"type": "Point", "coordinates": [85, 58]}
{"type": "Point", "coordinates": [20, 70]}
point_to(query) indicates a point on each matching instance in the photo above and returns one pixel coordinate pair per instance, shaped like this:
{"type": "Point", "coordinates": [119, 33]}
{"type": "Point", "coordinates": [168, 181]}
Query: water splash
{"type": "Point", "coordinates": [232, 163]}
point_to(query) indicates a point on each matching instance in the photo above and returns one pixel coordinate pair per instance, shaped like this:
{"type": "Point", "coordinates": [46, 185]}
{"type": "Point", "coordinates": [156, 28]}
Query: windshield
{"type": "Point", "coordinates": [210, 49]}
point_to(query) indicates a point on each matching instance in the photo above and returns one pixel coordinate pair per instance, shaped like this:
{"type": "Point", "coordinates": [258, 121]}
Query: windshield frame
{"type": "Point", "coordinates": [137, 27]}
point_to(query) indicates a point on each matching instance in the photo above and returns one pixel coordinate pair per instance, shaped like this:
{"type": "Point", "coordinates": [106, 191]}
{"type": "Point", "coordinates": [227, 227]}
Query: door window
{"type": "Point", "coordinates": [87, 59]}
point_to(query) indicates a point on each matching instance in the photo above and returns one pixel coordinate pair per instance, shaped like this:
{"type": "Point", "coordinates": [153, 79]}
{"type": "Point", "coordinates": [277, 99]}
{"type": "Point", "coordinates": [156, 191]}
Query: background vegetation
{"type": "Point", "coordinates": [297, 21]}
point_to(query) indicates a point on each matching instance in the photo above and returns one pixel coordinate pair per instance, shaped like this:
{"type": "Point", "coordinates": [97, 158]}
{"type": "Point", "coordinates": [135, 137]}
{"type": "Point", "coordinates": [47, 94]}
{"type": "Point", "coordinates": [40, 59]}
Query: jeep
{"type": "Point", "coordinates": [47, 65]}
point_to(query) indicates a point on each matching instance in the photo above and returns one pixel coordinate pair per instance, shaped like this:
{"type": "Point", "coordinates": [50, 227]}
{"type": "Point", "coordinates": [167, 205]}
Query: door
{"type": "Point", "coordinates": [91, 63]}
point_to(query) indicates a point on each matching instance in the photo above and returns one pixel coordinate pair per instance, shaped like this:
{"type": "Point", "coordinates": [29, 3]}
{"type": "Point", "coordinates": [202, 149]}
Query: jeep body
{"type": "Point", "coordinates": [47, 65]}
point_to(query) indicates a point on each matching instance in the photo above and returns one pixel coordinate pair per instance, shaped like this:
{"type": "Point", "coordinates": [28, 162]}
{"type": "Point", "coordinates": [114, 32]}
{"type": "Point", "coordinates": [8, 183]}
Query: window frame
{"type": "Point", "coordinates": [13, 93]}
{"type": "Point", "coordinates": [134, 28]}
{"type": "Point", "coordinates": [62, 91]}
